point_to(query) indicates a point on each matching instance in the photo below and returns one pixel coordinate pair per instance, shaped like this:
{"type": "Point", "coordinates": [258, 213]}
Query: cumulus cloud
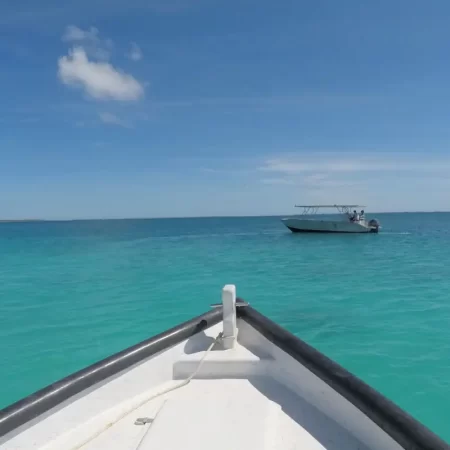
{"type": "Point", "coordinates": [112, 119]}
{"type": "Point", "coordinates": [87, 67]}
{"type": "Point", "coordinates": [98, 79]}
{"type": "Point", "coordinates": [135, 53]}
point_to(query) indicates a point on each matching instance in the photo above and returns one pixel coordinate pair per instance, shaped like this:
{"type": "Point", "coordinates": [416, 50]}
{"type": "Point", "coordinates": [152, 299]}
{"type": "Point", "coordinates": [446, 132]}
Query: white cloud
{"type": "Point", "coordinates": [384, 181]}
{"type": "Point", "coordinates": [275, 181]}
{"type": "Point", "coordinates": [135, 53]}
{"type": "Point", "coordinates": [90, 40]}
{"type": "Point", "coordinates": [87, 67]}
{"type": "Point", "coordinates": [74, 33]}
{"type": "Point", "coordinates": [112, 119]}
{"type": "Point", "coordinates": [99, 80]}
{"type": "Point", "coordinates": [326, 163]}
{"type": "Point", "coordinates": [313, 181]}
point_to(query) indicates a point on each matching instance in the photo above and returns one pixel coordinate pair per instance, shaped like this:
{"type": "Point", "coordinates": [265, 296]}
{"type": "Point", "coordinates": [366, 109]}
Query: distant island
{"type": "Point", "coordinates": [20, 220]}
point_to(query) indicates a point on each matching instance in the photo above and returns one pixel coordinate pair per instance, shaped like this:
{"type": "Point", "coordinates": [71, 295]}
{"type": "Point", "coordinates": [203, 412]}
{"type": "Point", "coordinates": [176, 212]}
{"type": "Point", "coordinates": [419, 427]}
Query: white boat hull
{"type": "Point", "coordinates": [300, 225]}
{"type": "Point", "coordinates": [229, 379]}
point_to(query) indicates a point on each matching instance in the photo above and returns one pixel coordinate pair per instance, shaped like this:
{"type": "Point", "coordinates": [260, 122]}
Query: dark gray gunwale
{"type": "Point", "coordinates": [403, 428]}
{"type": "Point", "coordinates": [398, 424]}
{"type": "Point", "coordinates": [34, 405]}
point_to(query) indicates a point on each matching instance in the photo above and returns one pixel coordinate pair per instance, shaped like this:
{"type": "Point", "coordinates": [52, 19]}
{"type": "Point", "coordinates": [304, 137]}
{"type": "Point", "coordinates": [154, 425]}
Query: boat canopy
{"type": "Point", "coordinates": [312, 209]}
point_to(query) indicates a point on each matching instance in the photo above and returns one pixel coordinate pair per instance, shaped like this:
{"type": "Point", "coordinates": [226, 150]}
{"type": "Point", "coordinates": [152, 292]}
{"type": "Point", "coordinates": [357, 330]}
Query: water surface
{"type": "Point", "coordinates": [74, 292]}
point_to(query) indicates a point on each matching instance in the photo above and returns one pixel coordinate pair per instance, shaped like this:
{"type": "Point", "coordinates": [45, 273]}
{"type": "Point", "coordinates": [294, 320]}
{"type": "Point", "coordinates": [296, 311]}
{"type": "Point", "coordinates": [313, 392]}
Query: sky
{"type": "Point", "coordinates": [162, 108]}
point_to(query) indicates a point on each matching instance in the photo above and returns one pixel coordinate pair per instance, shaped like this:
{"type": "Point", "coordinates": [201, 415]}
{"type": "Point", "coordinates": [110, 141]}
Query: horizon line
{"type": "Point", "coordinates": [201, 217]}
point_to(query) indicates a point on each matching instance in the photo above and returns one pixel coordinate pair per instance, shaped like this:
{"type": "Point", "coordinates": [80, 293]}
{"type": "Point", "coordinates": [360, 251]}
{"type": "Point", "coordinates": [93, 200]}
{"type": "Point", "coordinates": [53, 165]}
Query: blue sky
{"type": "Point", "coordinates": [150, 108]}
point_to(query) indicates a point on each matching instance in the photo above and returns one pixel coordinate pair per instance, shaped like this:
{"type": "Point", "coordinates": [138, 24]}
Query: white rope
{"type": "Point", "coordinates": [146, 400]}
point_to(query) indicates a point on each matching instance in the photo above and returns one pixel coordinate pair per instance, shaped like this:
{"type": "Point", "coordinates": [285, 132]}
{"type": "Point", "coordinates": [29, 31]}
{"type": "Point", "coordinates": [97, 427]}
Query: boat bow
{"type": "Point", "coordinates": [231, 378]}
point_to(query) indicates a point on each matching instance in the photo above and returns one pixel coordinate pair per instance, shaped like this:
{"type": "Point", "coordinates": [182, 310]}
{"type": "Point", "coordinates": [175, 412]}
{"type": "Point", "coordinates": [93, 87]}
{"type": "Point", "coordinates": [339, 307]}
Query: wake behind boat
{"type": "Point", "coordinates": [228, 379]}
{"type": "Point", "coordinates": [350, 221]}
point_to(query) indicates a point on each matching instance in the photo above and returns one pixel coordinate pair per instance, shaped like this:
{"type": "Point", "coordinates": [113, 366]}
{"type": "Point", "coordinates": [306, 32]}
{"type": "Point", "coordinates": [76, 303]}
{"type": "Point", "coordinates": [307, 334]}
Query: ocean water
{"type": "Point", "coordinates": [72, 293]}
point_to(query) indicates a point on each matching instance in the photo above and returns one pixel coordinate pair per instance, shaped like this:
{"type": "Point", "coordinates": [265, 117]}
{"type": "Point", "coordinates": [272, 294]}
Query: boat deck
{"type": "Point", "coordinates": [250, 397]}
{"type": "Point", "coordinates": [224, 414]}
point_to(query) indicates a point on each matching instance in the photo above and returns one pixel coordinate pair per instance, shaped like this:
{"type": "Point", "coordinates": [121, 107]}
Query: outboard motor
{"type": "Point", "coordinates": [374, 225]}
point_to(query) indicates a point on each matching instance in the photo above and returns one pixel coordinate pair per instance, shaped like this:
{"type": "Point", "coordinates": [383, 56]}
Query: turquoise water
{"type": "Point", "coordinates": [74, 292]}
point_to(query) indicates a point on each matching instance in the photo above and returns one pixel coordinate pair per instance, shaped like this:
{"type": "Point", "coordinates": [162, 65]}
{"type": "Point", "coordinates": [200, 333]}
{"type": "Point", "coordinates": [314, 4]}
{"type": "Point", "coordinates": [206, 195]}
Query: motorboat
{"type": "Point", "coordinates": [350, 220]}
{"type": "Point", "coordinates": [228, 379]}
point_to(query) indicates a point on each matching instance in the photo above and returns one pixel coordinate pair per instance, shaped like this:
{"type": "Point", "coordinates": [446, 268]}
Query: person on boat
{"type": "Point", "coordinates": [361, 215]}
{"type": "Point", "coordinates": [354, 217]}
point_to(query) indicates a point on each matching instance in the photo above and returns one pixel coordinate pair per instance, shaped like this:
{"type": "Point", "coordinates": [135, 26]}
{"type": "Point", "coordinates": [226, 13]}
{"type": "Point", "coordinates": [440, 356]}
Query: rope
{"type": "Point", "coordinates": [152, 397]}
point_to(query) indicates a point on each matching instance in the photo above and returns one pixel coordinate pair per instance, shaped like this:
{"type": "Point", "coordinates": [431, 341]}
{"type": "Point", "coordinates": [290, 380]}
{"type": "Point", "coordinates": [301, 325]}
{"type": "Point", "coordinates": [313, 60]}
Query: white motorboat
{"type": "Point", "coordinates": [228, 379]}
{"type": "Point", "coordinates": [350, 221]}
